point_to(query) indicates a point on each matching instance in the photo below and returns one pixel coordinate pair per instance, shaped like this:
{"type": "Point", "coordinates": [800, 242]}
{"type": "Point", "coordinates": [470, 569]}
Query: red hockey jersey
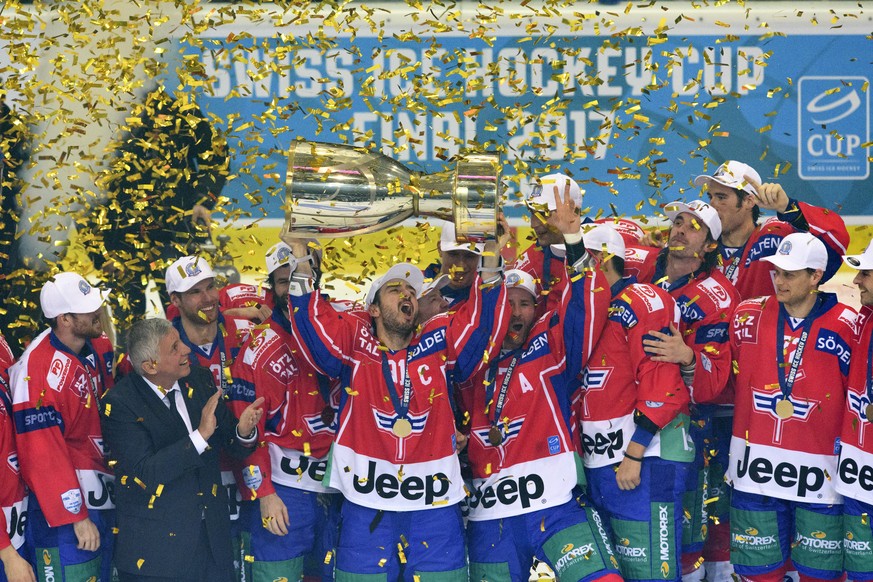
{"type": "Point", "coordinates": [706, 302]}
{"type": "Point", "coordinates": [621, 383]}
{"type": "Point", "coordinates": [372, 462]}
{"type": "Point", "coordinates": [296, 427]}
{"type": "Point", "coordinates": [855, 475]}
{"type": "Point", "coordinates": [13, 496]}
{"type": "Point", "coordinates": [753, 277]}
{"type": "Point", "coordinates": [533, 466]}
{"type": "Point", "coordinates": [57, 423]}
{"type": "Point", "coordinates": [790, 457]}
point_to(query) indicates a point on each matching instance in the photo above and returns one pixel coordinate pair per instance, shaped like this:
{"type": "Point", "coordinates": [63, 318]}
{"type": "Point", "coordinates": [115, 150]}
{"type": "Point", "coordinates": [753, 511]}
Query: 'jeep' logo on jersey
{"type": "Point", "coordinates": [766, 402]}
{"type": "Point", "coordinates": [802, 480]}
{"type": "Point", "coordinates": [387, 486]}
{"type": "Point", "coordinates": [509, 491]}
{"type": "Point", "coordinates": [385, 423]}
{"type": "Point", "coordinates": [608, 443]}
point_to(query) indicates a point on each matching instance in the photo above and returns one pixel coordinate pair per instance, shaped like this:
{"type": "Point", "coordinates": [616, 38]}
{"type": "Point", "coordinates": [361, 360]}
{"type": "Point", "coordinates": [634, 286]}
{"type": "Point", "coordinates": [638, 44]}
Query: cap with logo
{"type": "Point", "coordinates": [542, 194]}
{"type": "Point", "coordinates": [279, 255]}
{"type": "Point", "coordinates": [732, 174]}
{"type": "Point", "coordinates": [864, 261]}
{"type": "Point", "coordinates": [522, 279]}
{"type": "Point", "coordinates": [798, 251]}
{"type": "Point", "coordinates": [404, 271]}
{"type": "Point", "coordinates": [603, 237]}
{"type": "Point", "coordinates": [70, 293]}
{"type": "Point", "coordinates": [434, 284]}
{"type": "Point", "coordinates": [449, 241]}
{"type": "Point", "coordinates": [186, 272]}
{"type": "Point", "coordinates": [706, 213]}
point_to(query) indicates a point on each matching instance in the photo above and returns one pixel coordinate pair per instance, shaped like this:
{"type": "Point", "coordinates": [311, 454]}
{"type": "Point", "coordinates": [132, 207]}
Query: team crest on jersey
{"type": "Point", "coordinates": [385, 423]}
{"type": "Point", "coordinates": [765, 403]}
{"type": "Point", "coordinates": [509, 431]}
{"type": "Point", "coordinates": [58, 370]}
{"type": "Point", "coordinates": [595, 378]}
{"type": "Point", "coordinates": [316, 425]}
{"type": "Point", "coordinates": [858, 403]}
{"type": "Point", "coordinates": [12, 461]}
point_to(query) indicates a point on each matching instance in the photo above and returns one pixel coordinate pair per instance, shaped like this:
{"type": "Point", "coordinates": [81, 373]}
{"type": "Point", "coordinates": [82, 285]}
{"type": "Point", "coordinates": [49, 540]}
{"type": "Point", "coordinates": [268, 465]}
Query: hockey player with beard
{"type": "Point", "coordinates": [855, 475]}
{"type": "Point", "coordinates": [520, 445]}
{"type": "Point", "coordinates": [706, 299]}
{"type": "Point", "coordinates": [56, 389]}
{"type": "Point", "coordinates": [790, 396]}
{"type": "Point", "coordinates": [394, 457]}
{"type": "Point", "coordinates": [634, 417]}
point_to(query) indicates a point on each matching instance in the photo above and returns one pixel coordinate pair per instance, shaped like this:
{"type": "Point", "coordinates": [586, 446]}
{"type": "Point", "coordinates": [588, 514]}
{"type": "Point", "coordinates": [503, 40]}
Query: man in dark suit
{"type": "Point", "coordinates": [163, 426]}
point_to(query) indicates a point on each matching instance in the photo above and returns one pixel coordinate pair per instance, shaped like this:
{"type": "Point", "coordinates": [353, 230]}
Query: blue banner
{"type": "Point", "coordinates": [632, 118]}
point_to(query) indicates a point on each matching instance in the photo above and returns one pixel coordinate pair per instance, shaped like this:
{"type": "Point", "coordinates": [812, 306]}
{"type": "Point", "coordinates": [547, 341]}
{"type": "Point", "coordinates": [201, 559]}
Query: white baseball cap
{"type": "Point", "coordinates": [186, 272]}
{"type": "Point", "coordinates": [405, 271]}
{"type": "Point", "coordinates": [862, 262]}
{"type": "Point", "coordinates": [599, 237]}
{"type": "Point", "coordinates": [434, 284]}
{"type": "Point", "coordinates": [519, 278]}
{"type": "Point", "coordinates": [701, 210]}
{"type": "Point", "coordinates": [70, 293]}
{"type": "Point", "coordinates": [278, 255]}
{"type": "Point", "coordinates": [449, 241]}
{"type": "Point", "coordinates": [800, 250]}
{"type": "Point", "coordinates": [732, 174]}
{"type": "Point", "coordinates": [542, 195]}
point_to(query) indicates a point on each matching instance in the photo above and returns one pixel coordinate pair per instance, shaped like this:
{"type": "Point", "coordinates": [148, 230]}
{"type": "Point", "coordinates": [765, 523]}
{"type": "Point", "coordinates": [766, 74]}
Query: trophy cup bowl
{"type": "Point", "coordinates": [336, 190]}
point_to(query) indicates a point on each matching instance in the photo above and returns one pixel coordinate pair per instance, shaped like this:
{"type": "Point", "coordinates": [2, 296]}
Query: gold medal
{"type": "Point", "coordinates": [784, 409]}
{"type": "Point", "coordinates": [495, 437]}
{"type": "Point", "coordinates": [327, 415]}
{"type": "Point", "coordinates": [869, 412]}
{"type": "Point", "coordinates": [402, 428]}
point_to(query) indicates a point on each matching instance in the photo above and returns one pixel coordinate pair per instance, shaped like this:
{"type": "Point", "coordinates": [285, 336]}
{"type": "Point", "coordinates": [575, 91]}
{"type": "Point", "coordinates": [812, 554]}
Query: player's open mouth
{"type": "Point", "coordinates": [406, 309]}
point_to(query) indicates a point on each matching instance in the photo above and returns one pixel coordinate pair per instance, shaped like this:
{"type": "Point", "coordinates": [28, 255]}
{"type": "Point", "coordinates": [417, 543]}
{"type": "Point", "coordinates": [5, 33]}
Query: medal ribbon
{"type": "Point", "coordinates": [787, 383]}
{"type": "Point", "coordinates": [401, 404]}
{"type": "Point", "coordinates": [734, 263]}
{"type": "Point", "coordinates": [504, 387]}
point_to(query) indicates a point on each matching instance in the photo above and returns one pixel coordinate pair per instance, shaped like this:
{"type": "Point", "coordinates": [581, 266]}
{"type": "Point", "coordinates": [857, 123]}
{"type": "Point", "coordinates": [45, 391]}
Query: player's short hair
{"type": "Point", "coordinates": [143, 339]}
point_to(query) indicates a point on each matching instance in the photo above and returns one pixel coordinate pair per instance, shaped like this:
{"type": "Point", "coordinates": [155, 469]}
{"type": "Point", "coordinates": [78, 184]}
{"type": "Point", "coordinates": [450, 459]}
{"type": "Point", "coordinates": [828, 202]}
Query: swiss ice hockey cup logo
{"type": "Point", "coordinates": [84, 287]}
{"type": "Point", "coordinates": [192, 269]}
{"type": "Point", "coordinates": [785, 248]}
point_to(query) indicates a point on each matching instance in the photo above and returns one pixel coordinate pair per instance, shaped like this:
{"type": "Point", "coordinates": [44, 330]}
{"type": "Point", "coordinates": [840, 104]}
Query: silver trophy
{"type": "Point", "coordinates": [335, 190]}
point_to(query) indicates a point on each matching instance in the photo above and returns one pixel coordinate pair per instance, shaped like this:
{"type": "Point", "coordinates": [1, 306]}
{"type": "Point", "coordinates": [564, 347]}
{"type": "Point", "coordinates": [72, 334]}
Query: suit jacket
{"type": "Point", "coordinates": [163, 487]}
